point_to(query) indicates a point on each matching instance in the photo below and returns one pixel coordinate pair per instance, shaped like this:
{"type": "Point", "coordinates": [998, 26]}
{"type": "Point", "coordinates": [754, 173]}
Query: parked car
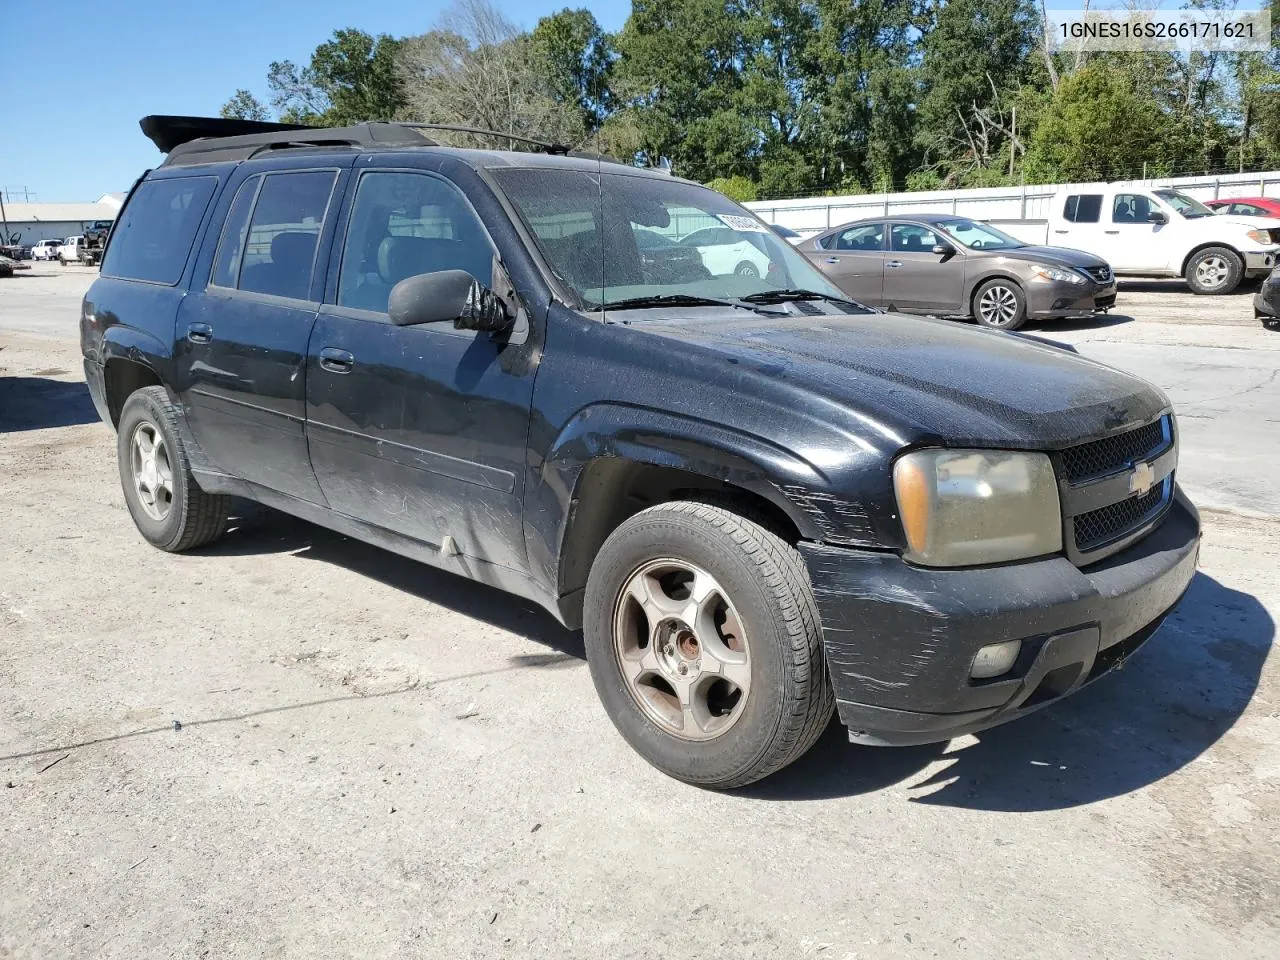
{"type": "Point", "coordinates": [1266, 303]}
{"type": "Point", "coordinates": [69, 252]}
{"type": "Point", "coordinates": [761, 501]}
{"type": "Point", "coordinates": [726, 250]}
{"type": "Point", "coordinates": [664, 260]}
{"type": "Point", "coordinates": [95, 242]}
{"type": "Point", "coordinates": [1146, 232]}
{"type": "Point", "coordinates": [46, 249]}
{"type": "Point", "coordinates": [6, 267]}
{"type": "Point", "coordinates": [1246, 206]}
{"type": "Point", "coordinates": [949, 266]}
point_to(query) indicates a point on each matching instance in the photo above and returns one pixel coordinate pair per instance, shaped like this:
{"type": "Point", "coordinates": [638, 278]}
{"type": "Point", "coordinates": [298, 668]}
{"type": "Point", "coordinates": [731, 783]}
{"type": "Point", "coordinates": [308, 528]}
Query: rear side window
{"type": "Point", "coordinates": [226, 265]}
{"type": "Point", "coordinates": [153, 238]}
{"type": "Point", "coordinates": [280, 249]}
{"type": "Point", "coordinates": [868, 236]}
{"type": "Point", "coordinates": [1083, 208]}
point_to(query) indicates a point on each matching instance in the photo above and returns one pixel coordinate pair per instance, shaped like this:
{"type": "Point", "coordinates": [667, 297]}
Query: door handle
{"type": "Point", "coordinates": [199, 333]}
{"type": "Point", "coordinates": [831, 260]}
{"type": "Point", "coordinates": [336, 361]}
{"type": "Point", "coordinates": [1061, 231]}
{"type": "Point", "coordinates": [1110, 231]}
{"type": "Point", "coordinates": [893, 263]}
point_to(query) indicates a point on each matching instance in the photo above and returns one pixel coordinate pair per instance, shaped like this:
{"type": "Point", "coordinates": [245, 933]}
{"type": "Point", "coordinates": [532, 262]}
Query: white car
{"type": "Point", "coordinates": [69, 252]}
{"type": "Point", "coordinates": [1157, 232]}
{"type": "Point", "coordinates": [725, 251]}
{"type": "Point", "coordinates": [46, 250]}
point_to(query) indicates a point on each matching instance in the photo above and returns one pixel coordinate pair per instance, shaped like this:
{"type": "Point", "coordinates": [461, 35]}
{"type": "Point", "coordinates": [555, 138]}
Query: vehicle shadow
{"type": "Point", "coordinates": [258, 530]}
{"type": "Point", "coordinates": [1171, 703]}
{"type": "Point", "coordinates": [1098, 322]}
{"type": "Point", "coordinates": [35, 403]}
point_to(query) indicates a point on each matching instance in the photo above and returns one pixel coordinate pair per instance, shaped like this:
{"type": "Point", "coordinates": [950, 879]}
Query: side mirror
{"type": "Point", "coordinates": [447, 295]}
{"type": "Point", "coordinates": [943, 249]}
{"type": "Point", "coordinates": [1157, 216]}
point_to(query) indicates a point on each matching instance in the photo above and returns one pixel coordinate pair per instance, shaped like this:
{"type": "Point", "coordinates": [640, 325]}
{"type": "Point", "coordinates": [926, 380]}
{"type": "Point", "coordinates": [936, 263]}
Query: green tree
{"type": "Point", "coordinates": [243, 105]}
{"type": "Point", "coordinates": [1076, 138]}
{"type": "Point", "coordinates": [351, 78]}
{"type": "Point", "coordinates": [577, 55]}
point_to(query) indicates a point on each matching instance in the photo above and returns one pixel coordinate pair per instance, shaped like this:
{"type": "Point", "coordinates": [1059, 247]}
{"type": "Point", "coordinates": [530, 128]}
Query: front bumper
{"type": "Point", "coordinates": [1056, 298]}
{"type": "Point", "coordinates": [900, 639]}
{"type": "Point", "coordinates": [1259, 261]}
{"type": "Point", "coordinates": [1266, 302]}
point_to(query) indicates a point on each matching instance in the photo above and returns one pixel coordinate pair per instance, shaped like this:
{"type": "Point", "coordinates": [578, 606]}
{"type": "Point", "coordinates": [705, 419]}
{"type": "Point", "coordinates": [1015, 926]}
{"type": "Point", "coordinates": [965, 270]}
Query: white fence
{"type": "Point", "coordinates": [815, 214]}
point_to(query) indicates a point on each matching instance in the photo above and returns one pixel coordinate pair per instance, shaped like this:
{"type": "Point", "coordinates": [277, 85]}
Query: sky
{"type": "Point", "coordinates": [80, 74]}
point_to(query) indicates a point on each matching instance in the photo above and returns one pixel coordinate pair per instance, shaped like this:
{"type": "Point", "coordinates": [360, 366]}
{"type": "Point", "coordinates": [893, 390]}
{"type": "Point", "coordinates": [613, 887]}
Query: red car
{"type": "Point", "coordinates": [1246, 206]}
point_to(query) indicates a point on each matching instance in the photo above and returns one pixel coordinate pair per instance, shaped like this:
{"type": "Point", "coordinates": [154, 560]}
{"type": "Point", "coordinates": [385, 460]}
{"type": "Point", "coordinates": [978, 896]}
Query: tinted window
{"type": "Point", "coordinates": [1131, 208]}
{"type": "Point", "coordinates": [1083, 208]}
{"type": "Point", "coordinates": [404, 224]}
{"type": "Point", "coordinates": [280, 249]}
{"type": "Point", "coordinates": [226, 265]}
{"type": "Point", "coordinates": [153, 238]}
{"type": "Point", "coordinates": [869, 236]}
{"type": "Point", "coordinates": [909, 238]}
{"type": "Point", "coordinates": [1248, 210]}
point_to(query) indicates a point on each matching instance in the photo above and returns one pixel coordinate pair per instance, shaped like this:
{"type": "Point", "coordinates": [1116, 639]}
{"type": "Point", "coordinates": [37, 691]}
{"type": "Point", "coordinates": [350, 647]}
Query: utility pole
{"type": "Point", "coordinates": [4, 219]}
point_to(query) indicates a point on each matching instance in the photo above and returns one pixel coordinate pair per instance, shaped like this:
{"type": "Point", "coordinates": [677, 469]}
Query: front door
{"type": "Point", "coordinates": [1130, 241]}
{"type": "Point", "coordinates": [420, 430]}
{"type": "Point", "coordinates": [918, 280]}
{"type": "Point", "coordinates": [241, 342]}
{"type": "Point", "coordinates": [854, 260]}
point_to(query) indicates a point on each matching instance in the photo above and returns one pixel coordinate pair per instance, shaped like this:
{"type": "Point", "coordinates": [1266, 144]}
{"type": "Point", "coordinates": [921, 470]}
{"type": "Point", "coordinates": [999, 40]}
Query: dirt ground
{"type": "Point", "coordinates": [294, 745]}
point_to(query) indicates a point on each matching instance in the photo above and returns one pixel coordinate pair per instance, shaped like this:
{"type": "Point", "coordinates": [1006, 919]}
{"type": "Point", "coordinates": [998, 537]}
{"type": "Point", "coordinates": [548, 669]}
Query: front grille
{"type": "Point", "coordinates": [1101, 457]}
{"type": "Point", "coordinates": [1101, 274]}
{"type": "Point", "coordinates": [1100, 526]}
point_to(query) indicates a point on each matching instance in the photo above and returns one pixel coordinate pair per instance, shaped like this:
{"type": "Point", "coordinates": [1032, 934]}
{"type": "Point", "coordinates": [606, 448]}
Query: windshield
{"type": "Point", "coordinates": [978, 236]}
{"type": "Point", "coordinates": [615, 237]}
{"type": "Point", "coordinates": [1189, 207]}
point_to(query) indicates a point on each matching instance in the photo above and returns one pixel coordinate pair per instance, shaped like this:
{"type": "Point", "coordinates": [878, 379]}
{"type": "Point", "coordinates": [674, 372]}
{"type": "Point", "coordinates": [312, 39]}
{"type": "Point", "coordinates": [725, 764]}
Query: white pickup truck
{"type": "Point", "coordinates": [1156, 232]}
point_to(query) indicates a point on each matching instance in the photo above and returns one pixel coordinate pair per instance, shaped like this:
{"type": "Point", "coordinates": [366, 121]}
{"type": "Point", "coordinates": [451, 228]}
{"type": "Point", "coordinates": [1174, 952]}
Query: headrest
{"type": "Point", "coordinates": [293, 247]}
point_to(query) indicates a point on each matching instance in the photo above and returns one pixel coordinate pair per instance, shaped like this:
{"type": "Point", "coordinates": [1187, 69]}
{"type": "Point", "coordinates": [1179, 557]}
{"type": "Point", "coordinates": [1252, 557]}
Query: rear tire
{"type": "Point", "coordinates": [167, 505]}
{"type": "Point", "coordinates": [728, 601]}
{"type": "Point", "coordinates": [1214, 271]}
{"type": "Point", "coordinates": [1000, 304]}
{"type": "Point", "coordinates": [747, 269]}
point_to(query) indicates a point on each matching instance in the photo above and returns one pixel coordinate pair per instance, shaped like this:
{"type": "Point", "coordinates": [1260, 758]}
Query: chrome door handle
{"type": "Point", "coordinates": [893, 263]}
{"type": "Point", "coordinates": [831, 260]}
{"type": "Point", "coordinates": [336, 361]}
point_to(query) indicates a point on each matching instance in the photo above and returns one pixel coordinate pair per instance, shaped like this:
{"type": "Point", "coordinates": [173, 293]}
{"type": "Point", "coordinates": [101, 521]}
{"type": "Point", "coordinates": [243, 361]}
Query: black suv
{"type": "Point", "coordinates": [760, 501]}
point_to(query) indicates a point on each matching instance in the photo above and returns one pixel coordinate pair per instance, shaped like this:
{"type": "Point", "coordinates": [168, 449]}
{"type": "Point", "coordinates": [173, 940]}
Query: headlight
{"type": "Point", "coordinates": [965, 507]}
{"type": "Point", "coordinates": [1046, 272]}
{"type": "Point", "coordinates": [1260, 236]}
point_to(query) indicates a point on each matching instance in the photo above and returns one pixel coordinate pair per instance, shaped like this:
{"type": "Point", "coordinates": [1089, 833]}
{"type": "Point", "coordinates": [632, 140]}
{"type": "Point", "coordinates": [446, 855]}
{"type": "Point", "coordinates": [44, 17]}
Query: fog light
{"type": "Point", "coordinates": [995, 659]}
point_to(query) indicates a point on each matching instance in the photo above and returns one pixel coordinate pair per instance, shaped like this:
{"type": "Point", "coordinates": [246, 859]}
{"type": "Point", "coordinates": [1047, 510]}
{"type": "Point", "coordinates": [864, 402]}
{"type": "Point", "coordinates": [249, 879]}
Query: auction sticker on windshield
{"type": "Point", "coordinates": [742, 224]}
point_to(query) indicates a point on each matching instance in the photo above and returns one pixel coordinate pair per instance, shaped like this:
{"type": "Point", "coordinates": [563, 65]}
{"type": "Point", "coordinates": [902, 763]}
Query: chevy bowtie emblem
{"type": "Point", "coordinates": [1142, 479]}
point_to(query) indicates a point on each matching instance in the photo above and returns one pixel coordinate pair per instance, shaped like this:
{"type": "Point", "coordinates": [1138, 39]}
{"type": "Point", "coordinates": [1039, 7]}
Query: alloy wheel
{"type": "Point", "coordinates": [998, 306]}
{"type": "Point", "coordinates": [1212, 272]}
{"type": "Point", "coordinates": [151, 470]}
{"type": "Point", "coordinates": [682, 649]}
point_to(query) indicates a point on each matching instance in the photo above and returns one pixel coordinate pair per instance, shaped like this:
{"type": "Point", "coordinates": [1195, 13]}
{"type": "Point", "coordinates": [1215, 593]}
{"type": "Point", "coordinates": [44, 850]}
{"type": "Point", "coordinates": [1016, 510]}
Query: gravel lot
{"type": "Point", "coordinates": [294, 745]}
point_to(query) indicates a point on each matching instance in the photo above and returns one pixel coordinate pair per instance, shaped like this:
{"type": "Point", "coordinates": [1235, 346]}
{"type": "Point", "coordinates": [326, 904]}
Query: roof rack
{"type": "Point", "coordinates": [190, 140]}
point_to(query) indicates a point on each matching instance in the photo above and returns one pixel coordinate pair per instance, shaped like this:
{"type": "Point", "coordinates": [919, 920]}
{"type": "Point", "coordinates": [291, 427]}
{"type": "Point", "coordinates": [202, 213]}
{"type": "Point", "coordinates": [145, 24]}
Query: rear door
{"type": "Point", "coordinates": [241, 339]}
{"type": "Point", "coordinates": [918, 280]}
{"type": "Point", "coordinates": [420, 430]}
{"type": "Point", "coordinates": [1080, 226]}
{"type": "Point", "coordinates": [854, 260]}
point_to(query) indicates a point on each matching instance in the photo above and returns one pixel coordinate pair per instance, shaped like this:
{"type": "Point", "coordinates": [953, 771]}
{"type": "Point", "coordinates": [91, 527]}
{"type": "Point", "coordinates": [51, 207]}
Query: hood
{"type": "Point", "coordinates": [920, 380]}
{"type": "Point", "coordinates": [1247, 223]}
{"type": "Point", "coordinates": [1057, 256]}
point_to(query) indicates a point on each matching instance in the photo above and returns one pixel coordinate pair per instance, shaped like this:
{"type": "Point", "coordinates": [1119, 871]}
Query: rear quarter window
{"type": "Point", "coordinates": [153, 238]}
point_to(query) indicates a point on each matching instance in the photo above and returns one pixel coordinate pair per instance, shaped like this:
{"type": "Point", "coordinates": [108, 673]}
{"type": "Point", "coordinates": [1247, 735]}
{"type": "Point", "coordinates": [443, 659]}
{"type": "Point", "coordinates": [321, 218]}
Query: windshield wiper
{"type": "Point", "coordinates": [681, 300]}
{"type": "Point", "coordinates": [787, 296]}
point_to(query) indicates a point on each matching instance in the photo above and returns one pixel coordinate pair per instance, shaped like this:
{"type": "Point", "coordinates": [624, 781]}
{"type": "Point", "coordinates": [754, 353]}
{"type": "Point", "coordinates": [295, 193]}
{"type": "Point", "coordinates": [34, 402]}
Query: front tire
{"type": "Point", "coordinates": [704, 644]}
{"type": "Point", "coordinates": [747, 269]}
{"type": "Point", "coordinates": [1214, 270]}
{"type": "Point", "coordinates": [1000, 304]}
{"type": "Point", "coordinates": [167, 505]}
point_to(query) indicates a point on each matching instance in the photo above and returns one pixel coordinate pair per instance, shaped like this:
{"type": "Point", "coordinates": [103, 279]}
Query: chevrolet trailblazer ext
{"type": "Point", "coordinates": [760, 501]}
